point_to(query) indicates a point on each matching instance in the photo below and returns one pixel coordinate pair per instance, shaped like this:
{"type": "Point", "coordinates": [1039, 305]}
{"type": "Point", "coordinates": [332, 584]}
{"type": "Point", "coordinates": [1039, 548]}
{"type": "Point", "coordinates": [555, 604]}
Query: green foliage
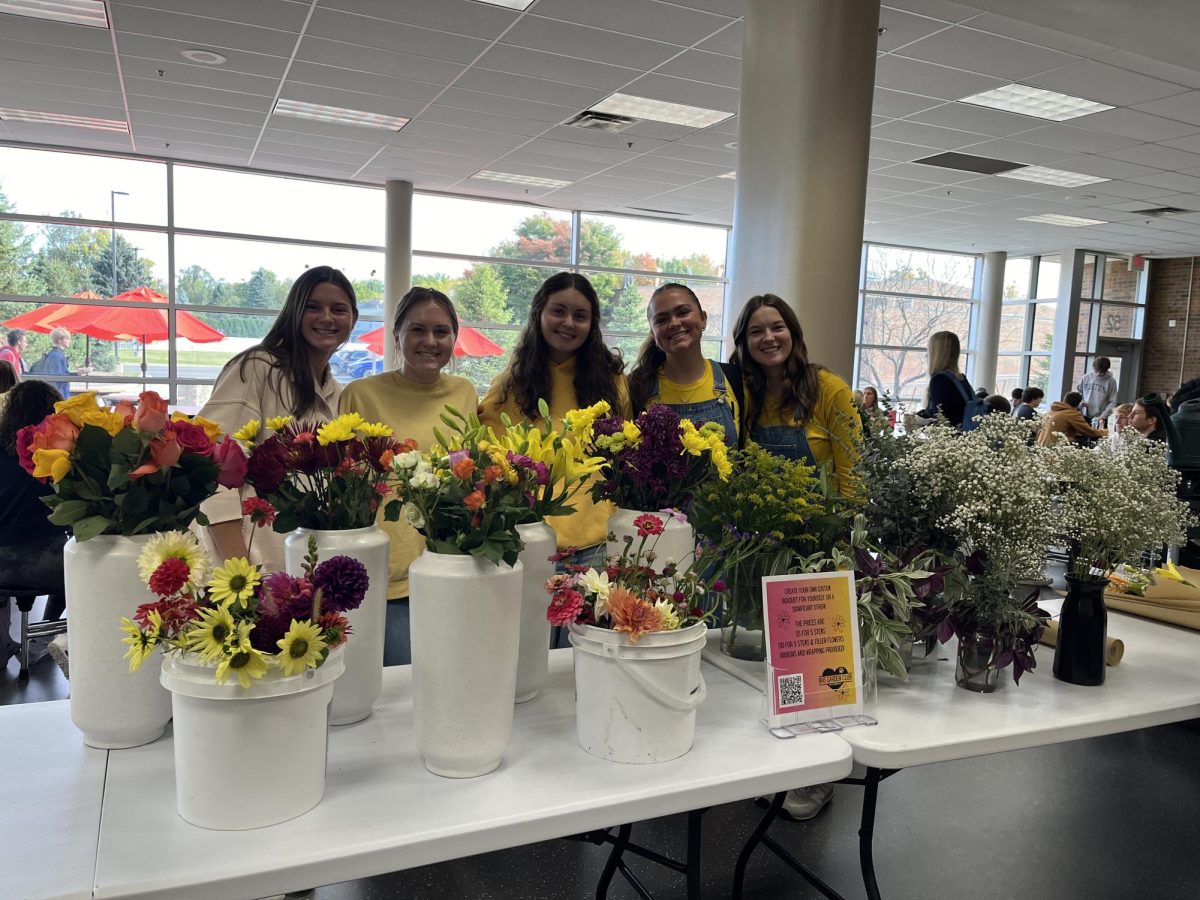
{"type": "Point", "coordinates": [132, 270]}
{"type": "Point", "coordinates": [481, 296]}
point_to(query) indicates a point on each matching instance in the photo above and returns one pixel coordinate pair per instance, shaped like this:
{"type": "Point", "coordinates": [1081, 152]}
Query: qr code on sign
{"type": "Point", "coordinates": [791, 690]}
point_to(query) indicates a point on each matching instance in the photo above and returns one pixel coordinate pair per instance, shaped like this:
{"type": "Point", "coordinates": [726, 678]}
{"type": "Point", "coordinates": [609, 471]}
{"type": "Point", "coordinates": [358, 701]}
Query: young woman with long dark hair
{"type": "Point", "coordinates": [561, 357]}
{"type": "Point", "coordinates": [411, 399]}
{"type": "Point", "coordinates": [671, 368]}
{"type": "Point", "coordinates": [287, 373]}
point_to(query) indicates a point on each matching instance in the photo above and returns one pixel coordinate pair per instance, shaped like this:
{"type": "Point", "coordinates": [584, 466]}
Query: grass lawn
{"type": "Point", "coordinates": [184, 357]}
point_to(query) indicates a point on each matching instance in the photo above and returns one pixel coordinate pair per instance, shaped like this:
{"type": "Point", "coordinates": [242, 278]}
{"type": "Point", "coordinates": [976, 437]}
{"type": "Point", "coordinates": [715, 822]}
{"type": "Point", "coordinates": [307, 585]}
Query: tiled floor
{"type": "Point", "coordinates": [1112, 817]}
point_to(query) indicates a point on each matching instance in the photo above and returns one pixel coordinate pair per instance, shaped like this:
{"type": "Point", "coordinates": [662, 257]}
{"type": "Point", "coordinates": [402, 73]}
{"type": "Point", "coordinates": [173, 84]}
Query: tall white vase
{"type": "Point", "coordinates": [465, 618]}
{"type": "Point", "coordinates": [113, 707]}
{"type": "Point", "coordinates": [677, 542]}
{"type": "Point", "coordinates": [540, 544]}
{"type": "Point", "coordinates": [359, 686]}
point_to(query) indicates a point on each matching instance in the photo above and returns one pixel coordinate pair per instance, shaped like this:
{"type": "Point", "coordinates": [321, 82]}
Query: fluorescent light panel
{"type": "Point", "coordinates": [44, 118]}
{"type": "Point", "coordinates": [77, 12]}
{"type": "Point", "coordinates": [315, 112]}
{"type": "Point", "coordinates": [1065, 221]}
{"type": "Point", "coordinates": [509, 4]}
{"type": "Point", "coordinates": [660, 111]}
{"type": "Point", "coordinates": [1036, 102]}
{"type": "Point", "coordinates": [1056, 177]}
{"type": "Point", "coordinates": [525, 180]}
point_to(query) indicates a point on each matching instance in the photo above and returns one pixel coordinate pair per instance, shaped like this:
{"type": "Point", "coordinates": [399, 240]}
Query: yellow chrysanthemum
{"type": "Point", "coordinates": [693, 441]}
{"type": "Point", "coordinates": [374, 429]}
{"type": "Point", "coordinates": [141, 643]}
{"type": "Point", "coordinates": [214, 635]}
{"type": "Point", "coordinates": [234, 582]}
{"type": "Point", "coordinates": [246, 663]}
{"type": "Point", "coordinates": [75, 407]}
{"type": "Point", "coordinates": [581, 421]}
{"type": "Point", "coordinates": [211, 428]}
{"type": "Point", "coordinates": [276, 423]}
{"type": "Point", "coordinates": [631, 433]}
{"type": "Point", "coordinates": [340, 429]}
{"type": "Point", "coordinates": [174, 545]}
{"type": "Point", "coordinates": [248, 432]}
{"type": "Point", "coordinates": [52, 464]}
{"type": "Point", "coordinates": [300, 648]}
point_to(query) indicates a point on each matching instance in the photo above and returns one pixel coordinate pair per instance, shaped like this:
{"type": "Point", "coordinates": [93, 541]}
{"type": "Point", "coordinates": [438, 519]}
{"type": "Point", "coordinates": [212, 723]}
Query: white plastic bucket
{"type": "Point", "coordinates": [636, 703]}
{"type": "Point", "coordinates": [249, 757]}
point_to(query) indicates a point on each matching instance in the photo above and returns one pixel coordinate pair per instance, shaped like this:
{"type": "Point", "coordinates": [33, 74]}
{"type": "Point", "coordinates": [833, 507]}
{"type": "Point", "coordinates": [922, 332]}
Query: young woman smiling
{"type": "Point", "coordinates": [561, 357]}
{"type": "Point", "coordinates": [671, 368]}
{"type": "Point", "coordinates": [795, 408]}
{"type": "Point", "coordinates": [410, 400]}
{"type": "Point", "coordinates": [286, 374]}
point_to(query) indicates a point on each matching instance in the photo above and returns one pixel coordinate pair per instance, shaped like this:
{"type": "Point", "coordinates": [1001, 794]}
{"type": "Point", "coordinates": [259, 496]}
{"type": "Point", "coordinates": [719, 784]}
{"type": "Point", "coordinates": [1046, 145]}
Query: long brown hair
{"type": "Point", "coordinates": [596, 366]}
{"type": "Point", "coordinates": [285, 343]}
{"type": "Point", "coordinates": [801, 381]}
{"type": "Point", "coordinates": [650, 356]}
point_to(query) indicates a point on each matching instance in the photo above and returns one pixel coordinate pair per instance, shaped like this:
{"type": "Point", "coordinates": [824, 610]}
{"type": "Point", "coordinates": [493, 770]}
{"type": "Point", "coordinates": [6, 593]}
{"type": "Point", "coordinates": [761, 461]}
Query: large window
{"type": "Point", "coordinates": [222, 248]}
{"type": "Point", "coordinates": [907, 295]}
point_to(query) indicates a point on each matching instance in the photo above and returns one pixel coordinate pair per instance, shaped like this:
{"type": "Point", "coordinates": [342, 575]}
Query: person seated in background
{"type": "Point", "coordinates": [8, 380]}
{"type": "Point", "coordinates": [1065, 418]}
{"type": "Point", "coordinates": [1151, 417]}
{"type": "Point", "coordinates": [870, 400]}
{"type": "Point", "coordinates": [1031, 398]}
{"type": "Point", "coordinates": [998, 403]}
{"type": "Point", "coordinates": [1016, 398]}
{"type": "Point", "coordinates": [982, 393]}
{"type": "Point", "coordinates": [1189, 390]}
{"type": "Point", "coordinates": [1185, 423]}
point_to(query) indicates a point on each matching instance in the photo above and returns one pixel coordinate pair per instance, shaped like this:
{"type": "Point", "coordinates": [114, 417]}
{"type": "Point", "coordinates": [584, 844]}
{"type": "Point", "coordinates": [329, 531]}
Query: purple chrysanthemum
{"type": "Point", "coordinates": [343, 581]}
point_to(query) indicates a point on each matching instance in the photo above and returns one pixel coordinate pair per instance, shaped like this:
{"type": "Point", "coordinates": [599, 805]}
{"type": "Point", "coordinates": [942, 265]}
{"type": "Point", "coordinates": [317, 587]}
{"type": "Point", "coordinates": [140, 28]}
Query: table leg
{"type": "Point", "coordinates": [693, 854]}
{"type": "Point", "coordinates": [620, 842]}
{"type": "Point", "coordinates": [739, 871]}
{"type": "Point", "coordinates": [866, 831]}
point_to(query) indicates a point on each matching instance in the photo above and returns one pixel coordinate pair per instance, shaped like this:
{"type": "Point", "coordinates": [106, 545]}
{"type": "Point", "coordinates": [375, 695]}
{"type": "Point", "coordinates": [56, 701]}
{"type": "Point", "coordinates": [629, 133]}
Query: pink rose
{"type": "Point", "coordinates": [151, 413]}
{"type": "Point", "coordinates": [192, 438]}
{"type": "Point", "coordinates": [165, 450]}
{"type": "Point", "coordinates": [231, 462]}
{"type": "Point", "coordinates": [126, 409]}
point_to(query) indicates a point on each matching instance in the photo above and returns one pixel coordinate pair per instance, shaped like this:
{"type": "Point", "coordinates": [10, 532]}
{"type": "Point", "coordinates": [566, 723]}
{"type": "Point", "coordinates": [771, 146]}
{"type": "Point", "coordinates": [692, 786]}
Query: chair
{"type": "Point", "coordinates": [25, 596]}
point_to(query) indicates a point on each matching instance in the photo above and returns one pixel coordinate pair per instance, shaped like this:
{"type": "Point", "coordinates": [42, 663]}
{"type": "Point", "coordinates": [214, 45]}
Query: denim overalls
{"type": "Point", "coordinates": [717, 410]}
{"type": "Point", "coordinates": [788, 441]}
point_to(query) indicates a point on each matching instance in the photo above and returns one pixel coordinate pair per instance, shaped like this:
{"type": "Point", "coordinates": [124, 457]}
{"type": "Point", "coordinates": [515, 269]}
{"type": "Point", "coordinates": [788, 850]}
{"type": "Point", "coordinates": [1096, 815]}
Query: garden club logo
{"type": "Point", "coordinates": [835, 678]}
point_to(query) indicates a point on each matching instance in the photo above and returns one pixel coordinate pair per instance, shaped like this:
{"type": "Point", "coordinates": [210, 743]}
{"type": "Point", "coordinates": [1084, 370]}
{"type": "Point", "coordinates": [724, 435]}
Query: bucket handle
{"type": "Point", "coordinates": [653, 691]}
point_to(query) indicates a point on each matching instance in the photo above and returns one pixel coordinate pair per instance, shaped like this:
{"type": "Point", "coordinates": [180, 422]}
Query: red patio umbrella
{"type": "Point", "coordinates": [49, 316]}
{"type": "Point", "coordinates": [470, 343]}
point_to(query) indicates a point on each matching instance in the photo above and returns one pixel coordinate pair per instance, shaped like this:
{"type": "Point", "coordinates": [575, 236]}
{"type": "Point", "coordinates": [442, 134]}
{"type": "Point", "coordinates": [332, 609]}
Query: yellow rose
{"type": "Point", "coordinates": [76, 406]}
{"type": "Point", "coordinates": [211, 428]}
{"type": "Point", "coordinates": [52, 464]}
{"type": "Point", "coordinates": [110, 421]}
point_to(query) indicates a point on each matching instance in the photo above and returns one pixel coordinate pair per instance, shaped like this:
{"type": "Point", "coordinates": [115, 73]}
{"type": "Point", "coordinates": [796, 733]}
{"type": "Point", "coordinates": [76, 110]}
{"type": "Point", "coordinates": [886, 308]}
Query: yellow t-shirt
{"type": "Point", "coordinates": [671, 393]}
{"type": "Point", "coordinates": [411, 409]}
{"type": "Point", "coordinates": [588, 525]}
{"type": "Point", "coordinates": [834, 430]}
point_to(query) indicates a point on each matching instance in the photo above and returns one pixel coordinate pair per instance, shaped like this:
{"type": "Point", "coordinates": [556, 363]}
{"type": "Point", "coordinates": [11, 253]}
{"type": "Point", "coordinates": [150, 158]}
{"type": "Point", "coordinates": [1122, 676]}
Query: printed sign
{"type": "Point", "coordinates": [813, 663]}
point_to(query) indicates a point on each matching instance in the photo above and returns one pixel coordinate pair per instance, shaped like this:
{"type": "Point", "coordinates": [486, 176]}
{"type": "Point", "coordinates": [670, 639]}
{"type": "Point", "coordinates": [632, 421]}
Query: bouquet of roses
{"type": "Point", "coordinates": [655, 461]}
{"type": "Point", "coordinates": [233, 618]}
{"type": "Point", "coordinates": [132, 469]}
{"type": "Point", "coordinates": [320, 475]}
{"type": "Point", "coordinates": [468, 493]}
{"type": "Point", "coordinates": [633, 597]}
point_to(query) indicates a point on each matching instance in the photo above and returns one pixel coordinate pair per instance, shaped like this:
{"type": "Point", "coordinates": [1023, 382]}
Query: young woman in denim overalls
{"type": "Point", "coordinates": [671, 368]}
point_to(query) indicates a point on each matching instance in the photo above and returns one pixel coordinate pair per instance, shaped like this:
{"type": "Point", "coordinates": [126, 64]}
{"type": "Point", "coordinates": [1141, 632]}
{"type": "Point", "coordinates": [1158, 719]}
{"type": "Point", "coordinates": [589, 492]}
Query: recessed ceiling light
{"type": "Point", "coordinates": [318, 113]}
{"type": "Point", "coordinates": [1065, 221]}
{"type": "Point", "coordinates": [204, 57]}
{"type": "Point", "coordinates": [1041, 104]}
{"type": "Point", "coordinates": [730, 175]}
{"type": "Point", "coordinates": [526, 180]}
{"type": "Point", "coordinates": [43, 118]}
{"type": "Point", "coordinates": [661, 111]}
{"type": "Point", "coordinates": [509, 4]}
{"type": "Point", "coordinates": [731, 145]}
{"type": "Point", "coordinates": [1056, 177]}
{"type": "Point", "coordinates": [77, 12]}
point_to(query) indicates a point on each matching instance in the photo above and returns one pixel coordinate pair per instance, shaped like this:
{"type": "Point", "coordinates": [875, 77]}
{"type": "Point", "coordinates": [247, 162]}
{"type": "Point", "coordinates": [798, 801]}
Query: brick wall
{"type": "Point", "coordinates": [1164, 346]}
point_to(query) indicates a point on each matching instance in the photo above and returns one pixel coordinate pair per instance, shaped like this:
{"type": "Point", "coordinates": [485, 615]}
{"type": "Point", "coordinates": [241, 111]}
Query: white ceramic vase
{"type": "Point", "coordinates": [465, 620]}
{"type": "Point", "coordinates": [677, 541]}
{"type": "Point", "coordinates": [540, 544]}
{"type": "Point", "coordinates": [113, 707]}
{"type": "Point", "coordinates": [249, 757]}
{"type": "Point", "coordinates": [359, 687]}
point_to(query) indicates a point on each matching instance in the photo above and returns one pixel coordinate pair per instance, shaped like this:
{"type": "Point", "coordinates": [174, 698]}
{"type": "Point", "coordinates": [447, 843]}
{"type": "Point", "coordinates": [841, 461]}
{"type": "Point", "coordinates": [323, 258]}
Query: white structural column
{"type": "Point", "coordinates": [1066, 326]}
{"type": "Point", "coordinates": [808, 76]}
{"type": "Point", "coordinates": [987, 332]}
{"type": "Point", "coordinates": [397, 271]}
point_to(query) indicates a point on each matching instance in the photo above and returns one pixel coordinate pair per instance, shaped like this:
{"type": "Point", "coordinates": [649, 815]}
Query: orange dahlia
{"type": "Point", "coordinates": [631, 614]}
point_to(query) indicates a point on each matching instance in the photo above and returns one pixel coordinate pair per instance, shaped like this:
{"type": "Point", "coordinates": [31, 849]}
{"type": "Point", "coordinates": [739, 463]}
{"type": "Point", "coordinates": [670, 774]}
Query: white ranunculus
{"type": "Point", "coordinates": [407, 460]}
{"type": "Point", "coordinates": [413, 516]}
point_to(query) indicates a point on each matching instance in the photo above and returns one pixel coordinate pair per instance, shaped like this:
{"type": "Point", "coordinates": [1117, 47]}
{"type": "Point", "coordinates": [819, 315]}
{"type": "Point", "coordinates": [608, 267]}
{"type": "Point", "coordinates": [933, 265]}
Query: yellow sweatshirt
{"type": "Point", "coordinates": [411, 409]}
{"type": "Point", "coordinates": [588, 525]}
{"type": "Point", "coordinates": [834, 430]}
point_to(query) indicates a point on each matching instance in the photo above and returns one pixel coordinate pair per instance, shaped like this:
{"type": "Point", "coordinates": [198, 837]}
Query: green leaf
{"type": "Point", "coordinates": [88, 528]}
{"type": "Point", "coordinates": [69, 511]}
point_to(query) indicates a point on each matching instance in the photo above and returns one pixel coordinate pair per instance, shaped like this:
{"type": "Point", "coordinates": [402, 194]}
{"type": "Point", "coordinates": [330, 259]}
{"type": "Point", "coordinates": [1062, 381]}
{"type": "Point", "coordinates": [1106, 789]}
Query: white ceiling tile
{"type": "Point", "coordinates": [202, 32]}
{"type": "Point", "coordinates": [1130, 189]}
{"type": "Point", "coordinates": [488, 121]}
{"type": "Point", "coordinates": [280, 14]}
{"type": "Point", "coordinates": [634, 172]}
{"type": "Point", "coordinates": [568, 69]}
{"type": "Point", "coordinates": [1068, 137]}
{"type": "Point", "coordinates": [30, 74]}
{"type": "Point", "coordinates": [525, 162]}
{"type": "Point", "coordinates": [169, 121]}
{"type": "Point", "coordinates": [978, 119]}
{"type": "Point", "coordinates": [61, 98]}
{"type": "Point", "coordinates": [1135, 124]}
{"type": "Point", "coordinates": [915, 77]}
{"type": "Point", "coordinates": [46, 55]}
{"type": "Point", "coordinates": [195, 110]}
{"type": "Point", "coordinates": [65, 136]}
{"type": "Point", "coordinates": [896, 105]}
{"type": "Point", "coordinates": [907, 132]}
{"type": "Point", "coordinates": [375, 103]}
{"type": "Point", "coordinates": [937, 9]}
{"type": "Point", "coordinates": [699, 169]}
{"type": "Point", "coordinates": [470, 136]}
{"type": "Point", "coordinates": [1145, 65]}
{"type": "Point", "coordinates": [728, 41]}
{"type": "Point", "coordinates": [309, 152]}
{"type": "Point", "coordinates": [356, 58]}
{"type": "Point", "coordinates": [697, 154]}
{"type": "Point", "coordinates": [393, 36]}
{"type": "Point", "coordinates": [1105, 167]}
{"type": "Point", "coordinates": [902, 185]}
{"type": "Point", "coordinates": [1019, 151]}
{"type": "Point", "coordinates": [936, 174]}
{"type": "Point", "coordinates": [706, 137]}
{"type": "Point", "coordinates": [1184, 107]}
{"type": "Point", "coordinates": [899, 152]}
{"type": "Point", "coordinates": [506, 106]}
{"type": "Point", "coordinates": [567, 140]}
{"type": "Point", "coordinates": [1157, 156]}
{"type": "Point", "coordinates": [40, 31]}
{"type": "Point", "coordinates": [904, 28]}
{"type": "Point", "coordinates": [526, 88]}
{"type": "Point", "coordinates": [713, 68]}
{"type": "Point", "coordinates": [168, 51]}
{"type": "Point", "coordinates": [340, 139]}
{"type": "Point", "coordinates": [1036, 34]}
{"type": "Point", "coordinates": [1104, 84]}
{"type": "Point", "coordinates": [988, 54]}
{"type": "Point", "coordinates": [360, 82]}
{"type": "Point", "coordinates": [473, 20]}
{"type": "Point", "coordinates": [664, 132]}
{"type": "Point", "coordinates": [145, 87]}
{"type": "Point", "coordinates": [1171, 181]}
{"type": "Point", "coordinates": [589, 43]}
{"type": "Point", "coordinates": [567, 150]}
{"type": "Point", "coordinates": [680, 90]}
{"type": "Point", "coordinates": [641, 18]}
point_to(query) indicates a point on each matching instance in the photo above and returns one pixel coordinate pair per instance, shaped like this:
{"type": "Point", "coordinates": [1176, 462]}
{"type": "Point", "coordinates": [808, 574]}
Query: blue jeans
{"type": "Point", "coordinates": [397, 643]}
{"type": "Point", "coordinates": [594, 557]}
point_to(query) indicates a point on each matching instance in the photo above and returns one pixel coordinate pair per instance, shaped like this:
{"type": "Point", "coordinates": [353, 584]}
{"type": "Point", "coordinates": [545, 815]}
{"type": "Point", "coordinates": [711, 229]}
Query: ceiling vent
{"type": "Point", "coordinates": [659, 212]}
{"type": "Point", "coordinates": [599, 121]}
{"type": "Point", "coordinates": [1159, 212]}
{"type": "Point", "coordinates": [964, 162]}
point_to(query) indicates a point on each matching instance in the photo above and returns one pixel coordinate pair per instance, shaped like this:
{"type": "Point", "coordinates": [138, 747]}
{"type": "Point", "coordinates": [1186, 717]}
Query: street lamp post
{"type": "Point", "coordinates": [112, 237]}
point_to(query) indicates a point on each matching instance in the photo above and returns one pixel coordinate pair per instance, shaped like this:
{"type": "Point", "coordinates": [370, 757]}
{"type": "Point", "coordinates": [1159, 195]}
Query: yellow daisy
{"type": "Point", "coordinates": [275, 423]}
{"type": "Point", "coordinates": [248, 432]}
{"type": "Point", "coordinates": [374, 429]}
{"type": "Point", "coordinates": [234, 582]}
{"type": "Point", "coordinates": [211, 638]}
{"type": "Point", "coordinates": [178, 545]}
{"type": "Point", "coordinates": [141, 643]}
{"type": "Point", "coordinates": [300, 648]}
{"type": "Point", "coordinates": [246, 663]}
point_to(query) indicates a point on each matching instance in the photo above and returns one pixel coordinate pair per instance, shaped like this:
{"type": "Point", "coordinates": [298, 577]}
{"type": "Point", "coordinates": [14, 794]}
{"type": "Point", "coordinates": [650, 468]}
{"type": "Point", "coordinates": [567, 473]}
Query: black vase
{"type": "Point", "coordinates": [1079, 655]}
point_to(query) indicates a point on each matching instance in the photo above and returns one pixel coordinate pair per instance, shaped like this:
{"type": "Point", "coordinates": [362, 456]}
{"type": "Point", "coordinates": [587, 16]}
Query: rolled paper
{"type": "Point", "coordinates": [1114, 647]}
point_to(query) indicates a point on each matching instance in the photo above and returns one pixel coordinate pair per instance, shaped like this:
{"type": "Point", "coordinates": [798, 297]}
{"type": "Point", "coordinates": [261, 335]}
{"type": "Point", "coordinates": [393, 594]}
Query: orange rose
{"type": "Point", "coordinates": [125, 409]}
{"type": "Point", "coordinates": [386, 457]}
{"type": "Point", "coordinates": [165, 450]}
{"type": "Point", "coordinates": [60, 434]}
{"type": "Point", "coordinates": [464, 468]}
{"type": "Point", "coordinates": [473, 500]}
{"type": "Point", "coordinates": [151, 414]}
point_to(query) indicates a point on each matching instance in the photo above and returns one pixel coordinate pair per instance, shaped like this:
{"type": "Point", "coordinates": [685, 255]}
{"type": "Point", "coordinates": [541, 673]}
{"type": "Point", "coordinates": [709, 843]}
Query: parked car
{"type": "Point", "coordinates": [350, 364]}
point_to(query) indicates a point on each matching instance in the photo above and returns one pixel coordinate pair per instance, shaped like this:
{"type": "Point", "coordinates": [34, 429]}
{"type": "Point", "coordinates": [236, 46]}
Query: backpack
{"type": "Point", "coordinates": [39, 367]}
{"type": "Point", "coordinates": [974, 407]}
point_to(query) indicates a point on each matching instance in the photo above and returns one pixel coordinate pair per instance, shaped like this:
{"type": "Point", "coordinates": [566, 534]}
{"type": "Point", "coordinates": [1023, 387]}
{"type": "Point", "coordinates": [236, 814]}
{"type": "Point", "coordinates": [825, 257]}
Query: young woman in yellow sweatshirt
{"type": "Point", "coordinates": [561, 357]}
{"type": "Point", "coordinates": [410, 400]}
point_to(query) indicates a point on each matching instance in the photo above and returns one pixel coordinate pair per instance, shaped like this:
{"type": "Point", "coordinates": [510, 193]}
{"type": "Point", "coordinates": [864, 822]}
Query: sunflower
{"type": "Point", "coordinates": [245, 662]}
{"type": "Point", "coordinates": [300, 647]}
{"type": "Point", "coordinates": [212, 637]}
{"type": "Point", "coordinates": [174, 545]}
{"type": "Point", "coordinates": [234, 582]}
{"type": "Point", "coordinates": [141, 643]}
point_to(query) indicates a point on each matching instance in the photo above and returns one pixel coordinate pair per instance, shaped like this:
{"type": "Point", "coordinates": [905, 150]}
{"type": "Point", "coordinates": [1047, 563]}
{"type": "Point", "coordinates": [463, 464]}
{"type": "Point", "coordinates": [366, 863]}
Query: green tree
{"type": "Point", "coordinates": [196, 286]}
{"type": "Point", "coordinates": [64, 261]}
{"type": "Point", "coordinates": [439, 281]}
{"type": "Point", "coordinates": [481, 298]}
{"type": "Point", "coordinates": [132, 270]}
{"type": "Point", "coordinates": [265, 290]}
{"type": "Point", "coordinates": [16, 253]}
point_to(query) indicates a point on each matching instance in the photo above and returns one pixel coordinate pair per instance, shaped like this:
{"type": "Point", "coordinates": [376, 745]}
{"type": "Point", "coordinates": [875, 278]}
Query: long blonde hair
{"type": "Point", "coordinates": [942, 352]}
